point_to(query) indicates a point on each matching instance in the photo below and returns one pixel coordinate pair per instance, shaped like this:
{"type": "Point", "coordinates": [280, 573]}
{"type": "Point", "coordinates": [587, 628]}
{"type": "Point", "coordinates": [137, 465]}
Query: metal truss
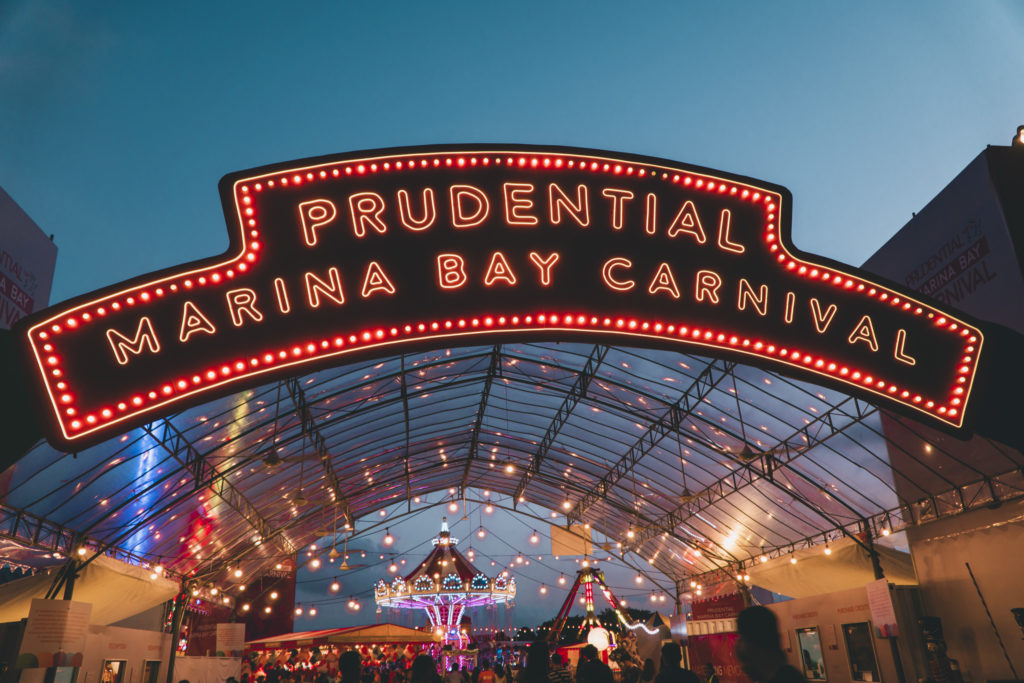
{"type": "Point", "coordinates": [669, 423]}
{"type": "Point", "coordinates": [312, 432]}
{"type": "Point", "coordinates": [184, 451]}
{"type": "Point", "coordinates": [573, 397]}
{"type": "Point", "coordinates": [827, 425]}
{"type": "Point", "coordinates": [474, 440]}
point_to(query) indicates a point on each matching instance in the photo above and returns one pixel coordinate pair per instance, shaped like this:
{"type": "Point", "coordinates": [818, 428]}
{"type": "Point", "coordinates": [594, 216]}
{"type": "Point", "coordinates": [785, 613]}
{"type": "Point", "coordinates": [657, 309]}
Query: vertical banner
{"type": "Point", "coordinates": [27, 260]}
{"type": "Point", "coordinates": [55, 634]}
{"type": "Point", "coordinates": [572, 541]}
{"type": "Point", "coordinates": [230, 640]}
{"type": "Point", "coordinates": [882, 613]}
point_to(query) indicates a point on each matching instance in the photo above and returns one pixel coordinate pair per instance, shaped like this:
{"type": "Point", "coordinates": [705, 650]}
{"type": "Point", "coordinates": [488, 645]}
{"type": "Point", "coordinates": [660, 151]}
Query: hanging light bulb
{"type": "Point", "coordinates": [238, 573]}
{"type": "Point", "coordinates": [519, 558]}
{"type": "Point", "coordinates": [543, 589]}
{"type": "Point", "coordinates": [561, 580]}
{"type": "Point", "coordinates": [298, 610]}
{"type": "Point", "coordinates": [828, 551]}
{"type": "Point", "coordinates": [312, 611]}
{"type": "Point", "coordinates": [764, 558]}
{"type": "Point", "coordinates": [534, 538]}
{"type": "Point", "coordinates": [489, 509]}
{"type": "Point", "coordinates": [335, 586]}
{"type": "Point", "coordinates": [246, 607]}
{"type": "Point", "coordinates": [266, 609]}
{"type": "Point", "coordinates": [693, 584]}
{"type": "Point", "coordinates": [480, 533]}
{"type": "Point", "coordinates": [273, 595]}
{"type": "Point", "coordinates": [393, 568]}
{"type": "Point", "coordinates": [510, 468]}
{"type": "Point", "coordinates": [654, 598]}
{"type": "Point", "coordinates": [453, 506]}
{"type": "Point", "coordinates": [314, 564]}
{"type": "Point", "coordinates": [639, 579]}
{"type": "Point", "coordinates": [792, 559]}
{"type": "Point", "coordinates": [388, 538]}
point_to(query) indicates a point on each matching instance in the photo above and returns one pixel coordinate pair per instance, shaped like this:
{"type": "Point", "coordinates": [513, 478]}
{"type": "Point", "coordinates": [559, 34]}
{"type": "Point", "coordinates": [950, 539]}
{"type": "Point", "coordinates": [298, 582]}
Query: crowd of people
{"type": "Point", "coordinates": [758, 651]}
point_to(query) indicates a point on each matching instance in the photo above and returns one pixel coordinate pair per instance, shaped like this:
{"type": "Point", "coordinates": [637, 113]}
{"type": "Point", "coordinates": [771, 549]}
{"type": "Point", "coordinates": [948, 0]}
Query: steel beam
{"type": "Point", "coordinates": [572, 398]}
{"type": "Point", "coordinates": [669, 423]}
{"type": "Point", "coordinates": [808, 436]}
{"type": "Point", "coordinates": [474, 440]}
{"type": "Point", "coordinates": [312, 432]}
{"type": "Point", "coordinates": [184, 451]}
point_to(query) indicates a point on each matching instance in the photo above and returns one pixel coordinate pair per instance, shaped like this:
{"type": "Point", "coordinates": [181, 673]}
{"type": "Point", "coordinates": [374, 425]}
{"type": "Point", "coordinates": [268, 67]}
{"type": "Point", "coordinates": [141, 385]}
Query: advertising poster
{"type": "Point", "coordinates": [55, 634]}
{"type": "Point", "coordinates": [27, 260]}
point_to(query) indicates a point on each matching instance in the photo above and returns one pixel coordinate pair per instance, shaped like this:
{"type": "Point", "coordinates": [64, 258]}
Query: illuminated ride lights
{"type": "Point", "coordinates": [443, 585]}
{"type": "Point", "coordinates": [321, 266]}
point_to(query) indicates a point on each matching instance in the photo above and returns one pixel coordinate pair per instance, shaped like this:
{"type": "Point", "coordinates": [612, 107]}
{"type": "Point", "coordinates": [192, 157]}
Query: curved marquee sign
{"type": "Point", "coordinates": [375, 252]}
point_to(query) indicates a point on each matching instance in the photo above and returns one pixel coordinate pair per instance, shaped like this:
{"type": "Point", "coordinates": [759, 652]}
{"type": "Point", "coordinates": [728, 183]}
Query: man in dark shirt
{"type": "Point", "coordinates": [709, 673]}
{"type": "Point", "coordinates": [670, 671]}
{"type": "Point", "coordinates": [591, 669]}
{"type": "Point", "coordinates": [758, 648]}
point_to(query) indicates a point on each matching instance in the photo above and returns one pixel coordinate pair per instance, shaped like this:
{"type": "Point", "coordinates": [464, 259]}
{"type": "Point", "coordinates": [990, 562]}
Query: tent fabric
{"type": "Point", "coordinates": [115, 589]}
{"type": "Point", "coordinates": [297, 639]}
{"type": "Point", "coordinates": [371, 633]}
{"type": "Point", "coordinates": [384, 633]}
{"type": "Point", "coordinates": [847, 566]}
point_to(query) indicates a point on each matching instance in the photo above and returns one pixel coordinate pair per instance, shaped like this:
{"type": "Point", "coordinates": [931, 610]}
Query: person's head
{"type": "Point", "coordinates": [648, 669]}
{"type": "Point", "coordinates": [423, 668]}
{"type": "Point", "coordinates": [556, 661]}
{"type": "Point", "coordinates": [537, 656]}
{"type": "Point", "coordinates": [486, 664]}
{"type": "Point", "coordinates": [757, 648]}
{"type": "Point", "coordinates": [588, 652]}
{"type": "Point", "coordinates": [709, 669]}
{"type": "Point", "coordinates": [350, 665]}
{"type": "Point", "coordinates": [455, 667]}
{"type": "Point", "coordinates": [671, 655]}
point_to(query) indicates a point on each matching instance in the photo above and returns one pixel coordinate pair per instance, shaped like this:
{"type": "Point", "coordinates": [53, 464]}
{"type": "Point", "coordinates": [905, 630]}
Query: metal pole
{"type": "Point", "coordinates": [176, 618]}
{"type": "Point", "coordinates": [991, 620]}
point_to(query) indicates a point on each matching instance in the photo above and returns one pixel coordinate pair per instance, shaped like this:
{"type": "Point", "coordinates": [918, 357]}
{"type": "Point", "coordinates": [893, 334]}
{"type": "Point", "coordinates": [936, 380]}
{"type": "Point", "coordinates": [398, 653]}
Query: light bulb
{"type": "Point", "coordinates": [388, 538]}
{"type": "Point", "coordinates": [335, 587]}
{"type": "Point", "coordinates": [534, 538]}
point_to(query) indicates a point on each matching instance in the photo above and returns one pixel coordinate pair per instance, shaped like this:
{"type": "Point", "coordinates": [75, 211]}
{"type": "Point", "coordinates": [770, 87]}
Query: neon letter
{"type": "Point", "coordinates": [724, 243]}
{"type": "Point", "coordinates": [429, 210]}
{"type": "Point", "coordinates": [619, 198]}
{"type": "Point", "coordinates": [580, 211]}
{"type": "Point", "coordinates": [606, 274]}
{"type": "Point", "coordinates": [790, 307]}
{"type": "Point", "coordinates": [865, 332]}
{"type": "Point", "coordinates": [332, 290]}
{"type": "Point", "coordinates": [517, 201]}
{"type": "Point", "coordinates": [283, 304]}
{"type": "Point", "coordinates": [451, 271]}
{"type": "Point", "coordinates": [544, 265]}
{"type": "Point", "coordinates": [366, 208]}
{"type": "Point", "coordinates": [651, 214]}
{"type": "Point", "coordinates": [192, 321]}
{"type": "Point", "coordinates": [499, 269]}
{"type": "Point", "coordinates": [376, 280]}
{"type": "Point", "coordinates": [314, 214]}
{"type": "Point", "coordinates": [822, 320]}
{"type": "Point", "coordinates": [664, 281]}
{"type": "Point", "coordinates": [708, 282]}
{"type": "Point", "coordinates": [122, 345]}
{"type": "Point", "coordinates": [461, 219]}
{"type": "Point", "coordinates": [242, 301]}
{"type": "Point", "coordinates": [746, 293]}
{"type": "Point", "coordinates": [900, 353]}
{"type": "Point", "coordinates": [687, 221]}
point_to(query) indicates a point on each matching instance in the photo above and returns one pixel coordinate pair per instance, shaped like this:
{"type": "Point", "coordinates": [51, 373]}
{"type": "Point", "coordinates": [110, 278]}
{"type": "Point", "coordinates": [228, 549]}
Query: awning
{"type": "Point", "coordinates": [369, 634]}
{"type": "Point", "coordinates": [846, 566]}
{"type": "Point", "coordinates": [384, 633]}
{"type": "Point", "coordinates": [298, 639]}
{"type": "Point", "coordinates": [115, 589]}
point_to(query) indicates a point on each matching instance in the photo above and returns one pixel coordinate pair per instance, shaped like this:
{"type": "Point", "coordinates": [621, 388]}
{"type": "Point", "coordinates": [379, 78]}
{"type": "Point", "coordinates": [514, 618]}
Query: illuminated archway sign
{"type": "Point", "coordinates": [373, 253]}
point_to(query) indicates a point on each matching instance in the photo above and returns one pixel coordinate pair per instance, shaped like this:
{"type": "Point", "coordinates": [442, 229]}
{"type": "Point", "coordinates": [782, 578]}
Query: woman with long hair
{"type": "Point", "coordinates": [536, 669]}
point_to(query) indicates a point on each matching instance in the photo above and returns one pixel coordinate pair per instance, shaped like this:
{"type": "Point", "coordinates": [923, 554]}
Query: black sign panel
{"type": "Point", "coordinates": [373, 253]}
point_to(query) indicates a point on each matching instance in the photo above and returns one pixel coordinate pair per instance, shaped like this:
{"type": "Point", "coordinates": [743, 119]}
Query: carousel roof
{"type": "Point", "coordinates": [444, 559]}
{"type": "Point", "coordinates": [688, 463]}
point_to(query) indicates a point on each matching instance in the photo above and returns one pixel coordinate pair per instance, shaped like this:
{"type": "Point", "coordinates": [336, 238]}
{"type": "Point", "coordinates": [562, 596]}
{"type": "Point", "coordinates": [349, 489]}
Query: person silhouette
{"type": "Point", "coordinates": [758, 648]}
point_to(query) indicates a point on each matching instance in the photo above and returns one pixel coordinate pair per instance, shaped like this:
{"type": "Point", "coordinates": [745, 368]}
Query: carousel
{"type": "Point", "coordinates": [444, 585]}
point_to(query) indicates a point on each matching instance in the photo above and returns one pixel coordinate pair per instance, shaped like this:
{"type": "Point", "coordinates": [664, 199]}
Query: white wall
{"type": "Point", "coordinates": [992, 541]}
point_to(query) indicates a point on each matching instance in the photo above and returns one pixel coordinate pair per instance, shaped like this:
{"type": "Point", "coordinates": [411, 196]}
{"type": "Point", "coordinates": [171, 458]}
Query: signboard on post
{"type": "Point", "coordinates": [374, 253]}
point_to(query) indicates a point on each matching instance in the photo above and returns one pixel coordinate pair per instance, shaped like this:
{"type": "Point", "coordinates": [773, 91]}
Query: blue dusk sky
{"type": "Point", "coordinates": [119, 119]}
